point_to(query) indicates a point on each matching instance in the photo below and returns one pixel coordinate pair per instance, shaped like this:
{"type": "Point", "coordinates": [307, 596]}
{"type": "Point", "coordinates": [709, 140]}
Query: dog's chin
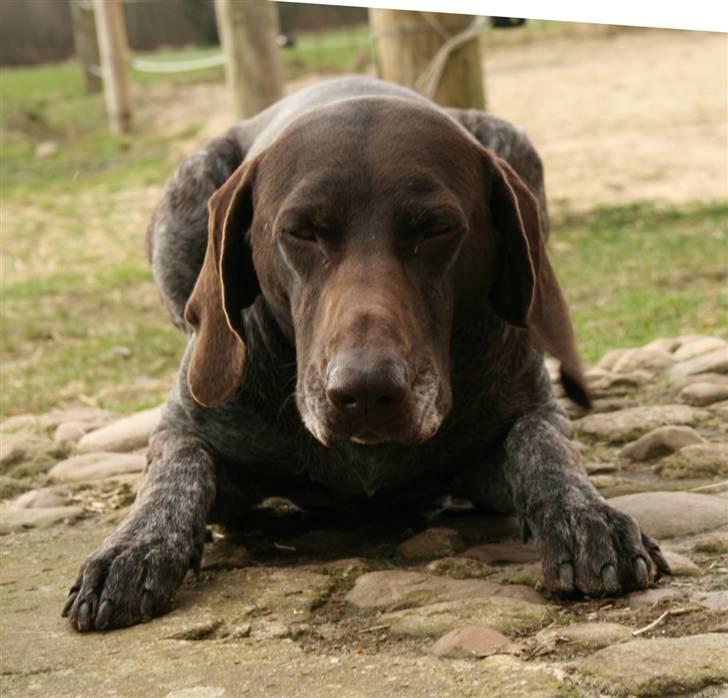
{"type": "Point", "coordinates": [330, 437]}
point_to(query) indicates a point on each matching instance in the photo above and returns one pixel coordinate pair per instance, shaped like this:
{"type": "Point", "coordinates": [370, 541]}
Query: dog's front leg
{"type": "Point", "coordinates": [585, 544]}
{"type": "Point", "coordinates": [136, 572]}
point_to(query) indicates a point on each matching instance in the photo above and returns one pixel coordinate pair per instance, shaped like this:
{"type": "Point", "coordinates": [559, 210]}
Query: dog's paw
{"type": "Point", "coordinates": [127, 581]}
{"type": "Point", "coordinates": [597, 550]}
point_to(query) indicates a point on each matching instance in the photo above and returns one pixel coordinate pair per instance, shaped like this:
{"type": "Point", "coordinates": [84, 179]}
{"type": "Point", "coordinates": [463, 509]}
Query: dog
{"type": "Point", "coordinates": [365, 284]}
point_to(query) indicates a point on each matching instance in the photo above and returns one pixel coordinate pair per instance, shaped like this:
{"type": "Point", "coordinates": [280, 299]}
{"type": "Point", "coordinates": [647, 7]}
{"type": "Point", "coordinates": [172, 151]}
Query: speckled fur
{"type": "Point", "coordinates": [504, 444]}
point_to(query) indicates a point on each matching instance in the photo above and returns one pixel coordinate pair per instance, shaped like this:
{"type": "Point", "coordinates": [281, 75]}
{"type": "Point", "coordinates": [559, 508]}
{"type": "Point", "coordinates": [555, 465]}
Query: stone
{"type": "Point", "coordinates": [697, 460]}
{"type": "Point", "coordinates": [433, 542]}
{"type": "Point", "coordinates": [619, 383]}
{"type": "Point", "coordinates": [494, 553]}
{"type": "Point", "coordinates": [504, 676]}
{"type": "Point", "coordinates": [668, 344]}
{"type": "Point", "coordinates": [590, 636]}
{"type": "Point", "coordinates": [649, 597]}
{"type": "Point", "coordinates": [84, 415]}
{"type": "Point", "coordinates": [633, 422]}
{"type": "Point", "coordinates": [660, 442]}
{"type": "Point", "coordinates": [399, 588]}
{"type": "Point", "coordinates": [715, 544]}
{"type": "Point", "coordinates": [651, 360]}
{"type": "Point", "coordinates": [700, 394]}
{"type": "Point", "coordinates": [610, 358]}
{"type": "Point", "coordinates": [698, 347]}
{"type": "Point", "coordinates": [673, 514]}
{"type": "Point", "coordinates": [471, 641]}
{"type": "Point", "coordinates": [660, 666]}
{"type": "Point", "coordinates": [15, 519]}
{"type": "Point", "coordinates": [717, 600]}
{"type": "Point", "coordinates": [97, 466]}
{"type": "Point", "coordinates": [503, 614]}
{"type": "Point", "coordinates": [715, 361]}
{"type": "Point", "coordinates": [19, 422]}
{"type": "Point", "coordinates": [126, 434]}
{"type": "Point", "coordinates": [680, 565]}
{"type": "Point", "coordinates": [43, 498]}
{"type": "Point", "coordinates": [460, 568]}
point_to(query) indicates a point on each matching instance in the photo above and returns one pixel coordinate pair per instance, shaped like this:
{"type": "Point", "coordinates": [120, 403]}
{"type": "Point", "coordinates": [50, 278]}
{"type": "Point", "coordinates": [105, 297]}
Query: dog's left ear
{"type": "Point", "coordinates": [227, 283]}
{"type": "Point", "coordinates": [525, 292]}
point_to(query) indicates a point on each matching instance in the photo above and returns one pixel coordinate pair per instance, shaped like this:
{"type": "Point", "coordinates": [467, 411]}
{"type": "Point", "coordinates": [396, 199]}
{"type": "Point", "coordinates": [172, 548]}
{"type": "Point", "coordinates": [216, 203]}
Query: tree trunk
{"type": "Point", "coordinates": [112, 47]}
{"type": "Point", "coordinates": [87, 45]}
{"type": "Point", "coordinates": [406, 44]}
{"type": "Point", "coordinates": [253, 65]}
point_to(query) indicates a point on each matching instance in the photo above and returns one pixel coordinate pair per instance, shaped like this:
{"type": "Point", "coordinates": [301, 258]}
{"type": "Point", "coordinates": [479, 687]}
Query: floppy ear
{"type": "Point", "coordinates": [525, 292]}
{"type": "Point", "coordinates": [226, 284]}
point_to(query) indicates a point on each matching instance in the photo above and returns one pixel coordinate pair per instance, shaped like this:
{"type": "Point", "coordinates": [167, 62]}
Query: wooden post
{"type": "Point", "coordinates": [253, 65]}
{"type": "Point", "coordinates": [86, 43]}
{"type": "Point", "coordinates": [112, 48]}
{"type": "Point", "coordinates": [406, 43]}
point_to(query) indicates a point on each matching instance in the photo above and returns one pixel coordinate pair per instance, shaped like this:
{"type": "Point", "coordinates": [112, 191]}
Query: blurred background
{"type": "Point", "coordinates": [631, 124]}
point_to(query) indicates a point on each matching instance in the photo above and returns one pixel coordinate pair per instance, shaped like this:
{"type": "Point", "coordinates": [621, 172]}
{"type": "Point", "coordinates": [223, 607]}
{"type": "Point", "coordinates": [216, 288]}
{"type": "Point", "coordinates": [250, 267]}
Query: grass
{"type": "Point", "coordinates": [80, 317]}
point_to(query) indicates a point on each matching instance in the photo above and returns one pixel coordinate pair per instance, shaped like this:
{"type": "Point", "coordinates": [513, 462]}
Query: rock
{"type": "Point", "coordinates": [19, 422]}
{"type": "Point", "coordinates": [660, 442]}
{"type": "Point", "coordinates": [126, 434]}
{"type": "Point", "coordinates": [610, 358]}
{"type": "Point", "coordinates": [698, 460]}
{"type": "Point", "coordinates": [471, 641]}
{"type": "Point", "coordinates": [84, 415]}
{"type": "Point", "coordinates": [651, 360]}
{"type": "Point", "coordinates": [673, 514]}
{"type": "Point", "coordinates": [716, 544]}
{"type": "Point", "coordinates": [43, 498]}
{"type": "Point", "coordinates": [701, 394]}
{"type": "Point", "coordinates": [502, 614]}
{"type": "Point", "coordinates": [97, 466]}
{"type": "Point", "coordinates": [659, 667]}
{"type": "Point", "coordinates": [69, 433]}
{"type": "Point", "coordinates": [649, 597]}
{"type": "Point", "coordinates": [619, 383]}
{"type": "Point", "coordinates": [680, 565]}
{"type": "Point", "coordinates": [226, 555]}
{"type": "Point", "coordinates": [698, 347]}
{"type": "Point", "coordinates": [717, 600]}
{"type": "Point", "coordinates": [14, 447]}
{"type": "Point", "coordinates": [600, 468]}
{"type": "Point", "coordinates": [715, 361]}
{"type": "Point", "coordinates": [591, 636]}
{"type": "Point", "coordinates": [460, 568]}
{"type": "Point", "coordinates": [10, 486]}
{"type": "Point", "coordinates": [401, 589]}
{"type": "Point", "coordinates": [14, 519]}
{"type": "Point", "coordinates": [494, 553]}
{"type": "Point", "coordinates": [45, 149]}
{"type": "Point", "coordinates": [433, 542]}
{"type": "Point", "coordinates": [625, 425]}
{"type": "Point", "coordinates": [668, 344]}
{"type": "Point", "coordinates": [504, 676]}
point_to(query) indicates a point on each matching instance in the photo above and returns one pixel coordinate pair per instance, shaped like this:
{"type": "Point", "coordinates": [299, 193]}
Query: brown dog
{"type": "Point", "coordinates": [381, 260]}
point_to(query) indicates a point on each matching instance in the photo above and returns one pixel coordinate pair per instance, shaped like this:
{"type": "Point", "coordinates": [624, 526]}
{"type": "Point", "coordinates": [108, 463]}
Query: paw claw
{"type": "Point", "coordinates": [641, 572]}
{"type": "Point", "coordinates": [147, 606]}
{"type": "Point", "coordinates": [610, 579]}
{"type": "Point", "coordinates": [103, 617]}
{"type": "Point", "coordinates": [566, 576]}
{"type": "Point", "coordinates": [83, 618]}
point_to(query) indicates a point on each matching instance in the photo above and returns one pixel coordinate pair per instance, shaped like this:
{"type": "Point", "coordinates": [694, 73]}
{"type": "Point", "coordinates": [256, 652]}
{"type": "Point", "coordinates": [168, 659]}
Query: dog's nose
{"type": "Point", "coordinates": [367, 388]}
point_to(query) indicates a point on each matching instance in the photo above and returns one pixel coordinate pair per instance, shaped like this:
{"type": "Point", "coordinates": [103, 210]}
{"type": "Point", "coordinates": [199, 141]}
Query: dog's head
{"type": "Point", "coordinates": [371, 227]}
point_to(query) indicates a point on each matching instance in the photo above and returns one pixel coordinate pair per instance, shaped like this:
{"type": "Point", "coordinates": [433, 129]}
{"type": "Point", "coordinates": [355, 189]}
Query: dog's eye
{"type": "Point", "coordinates": [307, 234]}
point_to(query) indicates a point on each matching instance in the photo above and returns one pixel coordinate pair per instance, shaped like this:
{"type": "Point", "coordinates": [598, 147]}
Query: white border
{"type": "Point", "coordinates": [701, 15]}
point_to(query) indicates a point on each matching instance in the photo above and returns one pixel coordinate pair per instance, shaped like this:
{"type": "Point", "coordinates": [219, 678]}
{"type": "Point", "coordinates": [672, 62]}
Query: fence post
{"type": "Point", "coordinates": [406, 42]}
{"type": "Point", "coordinates": [86, 43]}
{"type": "Point", "coordinates": [112, 48]}
{"type": "Point", "coordinates": [253, 65]}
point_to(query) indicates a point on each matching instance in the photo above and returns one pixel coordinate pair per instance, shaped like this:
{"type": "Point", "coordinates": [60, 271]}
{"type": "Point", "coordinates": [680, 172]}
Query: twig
{"type": "Point", "coordinates": [652, 625]}
{"type": "Point", "coordinates": [712, 486]}
{"type": "Point", "coordinates": [663, 617]}
{"type": "Point", "coordinates": [281, 546]}
{"type": "Point", "coordinates": [373, 629]}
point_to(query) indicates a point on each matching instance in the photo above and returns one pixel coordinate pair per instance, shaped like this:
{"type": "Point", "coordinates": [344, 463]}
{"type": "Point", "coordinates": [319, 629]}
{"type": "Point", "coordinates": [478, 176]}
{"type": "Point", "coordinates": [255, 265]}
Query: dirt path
{"type": "Point", "coordinates": [618, 117]}
{"type": "Point", "coordinates": [632, 116]}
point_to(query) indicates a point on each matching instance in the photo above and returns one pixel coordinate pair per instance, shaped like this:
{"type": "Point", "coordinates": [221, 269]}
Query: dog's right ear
{"type": "Point", "coordinates": [227, 283]}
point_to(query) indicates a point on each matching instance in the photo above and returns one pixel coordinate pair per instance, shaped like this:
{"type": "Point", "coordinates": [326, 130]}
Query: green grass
{"type": "Point", "coordinates": [80, 316]}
